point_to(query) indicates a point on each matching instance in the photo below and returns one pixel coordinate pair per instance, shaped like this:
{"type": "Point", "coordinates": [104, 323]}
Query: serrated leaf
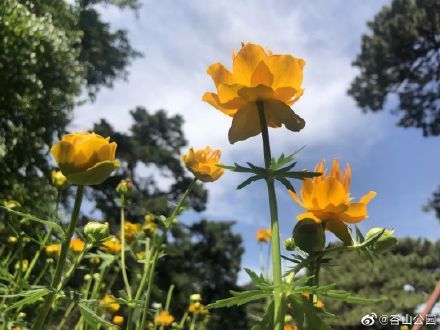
{"type": "Point", "coordinates": [92, 319]}
{"type": "Point", "coordinates": [29, 217]}
{"type": "Point", "coordinates": [248, 181]}
{"type": "Point", "coordinates": [286, 183]}
{"type": "Point", "coordinates": [30, 298]}
{"type": "Point", "coordinates": [240, 298]}
{"type": "Point", "coordinates": [301, 175]}
{"type": "Point", "coordinates": [267, 321]}
{"type": "Point", "coordinates": [360, 238]}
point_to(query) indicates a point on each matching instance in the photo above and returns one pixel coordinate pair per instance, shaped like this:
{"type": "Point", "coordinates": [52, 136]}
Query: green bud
{"type": "Point", "coordinates": [309, 236]}
{"type": "Point", "coordinates": [125, 186]}
{"type": "Point", "coordinates": [96, 276]}
{"type": "Point", "coordinates": [289, 244]}
{"type": "Point", "coordinates": [87, 277]}
{"type": "Point", "coordinates": [21, 315]}
{"type": "Point", "coordinates": [385, 242]}
{"type": "Point", "coordinates": [96, 231]}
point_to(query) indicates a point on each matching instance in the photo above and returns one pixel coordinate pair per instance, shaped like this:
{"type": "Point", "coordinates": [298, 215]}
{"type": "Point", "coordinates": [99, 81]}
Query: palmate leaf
{"type": "Point", "coordinates": [30, 297]}
{"type": "Point", "coordinates": [258, 280]}
{"type": "Point", "coordinates": [92, 319]}
{"type": "Point", "coordinates": [240, 298]}
{"type": "Point", "coordinates": [307, 316]}
{"type": "Point", "coordinates": [29, 217]}
{"type": "Point", "coordinates": [248, 181]}
{"type": "Point", "coordinates": [267, 320]}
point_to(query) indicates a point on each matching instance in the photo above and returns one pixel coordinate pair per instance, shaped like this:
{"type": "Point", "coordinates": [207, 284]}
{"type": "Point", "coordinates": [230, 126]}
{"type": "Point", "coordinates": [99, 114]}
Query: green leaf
{"type": "Point", "coordinates": [240, 298]}
{"type": "Point", "coordinates": [359, 237]}
{"type": "Point", "coordinates": [258, 280]}
{"type": "Point", "coordinates": [29, 217]}
{"type": "Point", "coordinates": [248, 181]}
{"type": "Point", "coordinates": [31, 297]}
{"type": "Point", "coordinates": [267, 321]}
{"type": "Point", "coordinates": [92, 319]}
{"type": "Point", "coordinates": [286, 183]}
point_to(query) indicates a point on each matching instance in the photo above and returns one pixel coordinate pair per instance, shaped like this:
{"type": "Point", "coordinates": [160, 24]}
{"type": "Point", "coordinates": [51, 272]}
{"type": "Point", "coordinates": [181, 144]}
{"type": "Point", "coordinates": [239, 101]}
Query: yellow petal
{"type": "Point", "coordinates": [229, 93]}
{"type": "Point", "coordinates": [329, 191]}
{"type": "Point", "coordinates": [368, 197]}
{"type": "Point", "coordinates": [285, 94]}
{"type": "Point", "coordinates": [340, 229]}
{"type": "Point", "coordinates": [63, 152]}
{"type": "Point", "coordinates": [246, 61]}
{"type": "Point", "coordinates": [94, 175]}
{"type": "Point", "coordinates": [252, 94]}
{"type": "Point", "coordinates": [355, 213]}
{"type": "Point", "coordinates": [308, 215]}
{"type": "Point", "coordinates": [220, 74]}
{"type": "Point", "coordinates": [213, 99]}
{"type": "Point", "coordinates": [277, 114]}
{"type": "Point", "coordinates": [262, 75]}
{"type": "Point", "coordinates": [286, 71]}
{"type": "Point", "coordinates": [245, 123]}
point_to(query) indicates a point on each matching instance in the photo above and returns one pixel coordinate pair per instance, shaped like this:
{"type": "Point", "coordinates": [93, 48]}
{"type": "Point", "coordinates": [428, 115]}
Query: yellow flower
{"type": "Point", "coordinates": [77, 245]}
{"type": "Point", "coordinates": [264, 235]}
{"type": "Point", "coordinates": [53, 250]}
{"type": "Point", "coordinates": [164, 318]}
{"type": "Point", "coordinates": [197, 308]}
{"type": "Point", "coordinates": [290, 327]}
{"type": "Point", "coordinates": [257, 76]}
{"type": "Point", "coordinates": [118, 320]}
{"type": "Point", "coordinates": [85, 158]}
{"type": "Point", "coordinates": [112, 246]}
{"type": "Point", "coordinates": [11, 204]}
{"type": "Point", "coordinates": [327, 200]}
{"type": "Point", "coordinates": [109, 304]}
{"type": "Point", "coordinates": [203, 163]}
{"type": "Point", "coordinates": [58, 179]}
{"type": "Point", "coordinates": [131, 230]}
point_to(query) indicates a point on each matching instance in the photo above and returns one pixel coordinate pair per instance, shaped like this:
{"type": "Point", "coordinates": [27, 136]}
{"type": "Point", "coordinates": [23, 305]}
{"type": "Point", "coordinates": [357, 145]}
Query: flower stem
{"type": "Point", "coordinates": [279, 307]}
{"type": "Point", "coordinates": [123, 267]}
{"type": "Point", "coordinates": [56, 280]}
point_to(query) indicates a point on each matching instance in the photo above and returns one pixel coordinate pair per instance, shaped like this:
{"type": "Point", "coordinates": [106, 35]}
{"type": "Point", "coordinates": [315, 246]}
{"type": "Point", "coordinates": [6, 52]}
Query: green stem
{"type": "Point", "coordinates": [123, 268]}
{"type": "Point", "coordinates": [278, 297]}
{"type": "Point", "coordinates": [56, 280]}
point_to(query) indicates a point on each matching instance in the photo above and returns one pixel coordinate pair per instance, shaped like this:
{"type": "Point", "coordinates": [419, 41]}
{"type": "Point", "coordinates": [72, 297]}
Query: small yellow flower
{"type": "Point", "coordinates": [53, 250]}
{"type": "Point", "coordinates": [203, 163]}
{"type": "Point", "coordinates": [58, 179]}
{"type": "Point", "coordinates": [327, 199]}
{"type": "Point", "coordinates": [149, 228]}
{"type": "Point", "coordinates": [24, 264]}
{"type": "Point", "coordinates": [109, 304]}
{"type": "Point", "coordinates": [12, 239]}
{"type": "Point", "coordinates": [118, 320]}
{"type": "Point", "coordinates": [112, 246]}
{"type": "Point", "coordinates": [77, 245]}
{"type": "Point", "coordinates": [131, 231]}
{"type": "Point", "coordinates": [85, 158]}
{"type": "Point", "coordinates": [257, 76]}
{"type": "Point", "coordinates": [164, 318]}
{"type": "Point", "coordinates": [195, 297]}
{"type": "Point", "coordinates": [197, 308]}
{"type": "Point", "coordinates": [264, 235]}
{"type": "Point", "coordinates": [290, 327]}
{"type": "Point", "coordinates": [11, 204]}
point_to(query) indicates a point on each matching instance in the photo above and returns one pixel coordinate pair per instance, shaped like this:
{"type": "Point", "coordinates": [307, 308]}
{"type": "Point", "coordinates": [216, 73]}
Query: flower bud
{"type": "Point", "coordinates": [195, 297]}
{"type": "Point", "coordinates": [125, 186]}
{"type": "Point", "coordinates": [95, 260]}
{"type": "Point", "coordinates": [96, 276]}
{"type": "Point", "coordinates": [87, 277]}
{"type": "Point", "coordinates": [96, 231]}
{"type": "Point", "coordinates": [385, 242]}
{"type": "Point", "coordinates": [309, 235]}
{"type": "Point", "coordinates": [11, 204]}
{"type": "Point", "coordinates": [289, 244]}
{"type": "Point", "coordinates": [12, 239]}
{"type": "Point", "coordinates": [58, 179]}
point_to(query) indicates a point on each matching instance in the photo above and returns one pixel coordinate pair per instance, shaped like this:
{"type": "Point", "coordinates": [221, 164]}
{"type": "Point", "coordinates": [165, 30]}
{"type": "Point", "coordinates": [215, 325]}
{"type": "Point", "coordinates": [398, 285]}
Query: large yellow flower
{"type": "Point", "coordinates": [327, 200]}
{"type": "Point", "coordinates": [85, 158]}
{"type": "Point", "coordinates": [203, 163]}
{"type": "Point", "coordinates": [257, 75]}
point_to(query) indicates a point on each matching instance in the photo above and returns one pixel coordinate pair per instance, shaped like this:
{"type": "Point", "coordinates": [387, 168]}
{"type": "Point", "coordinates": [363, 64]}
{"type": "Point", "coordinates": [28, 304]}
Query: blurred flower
{"type": "Point", "coordinates": [290, 327]}
{"type": "Point", "coordinates": [11, 204]}
{"type": "Point", "coordinates": [85, 158]}
{"type": "Point", "coordinates": [109, 304]}
{"type": "Point", "coordinates": [140, 255]}
{"type": "Point", "coordinates": [118, 320]}
{"type": "Point", "coordinates": [96, 231]}
{"type": "Point", "coordinates": [197, 308]}
{"type": "Point", "coordinates": [58, 179]}
{"type": "Point", "coordinates": [24, 264]}
{"type": "Point", "coordinates": [95, 260]}
{"type": "Point", "coordinates": [77, 245]}
{"type": "Point", "coordinates": [327, 199]}
{"type": "Point", "coordinates": [131, 231]}
{"type": "Point", "coordinates": [257, 76]}
{"type": "Point", "coordinates": [203, 163]}
{"type": "Point", "coordinates": [195, 297]}
{"type": "Point", "coordinates": [12, 239]}
{"type": "Point", "coordinates": [164, 318]}
{"type": "Point", "coordinates": [264, 235]}
{"type": "Point", "coordinates": [112, 246]}
{"type": "Point", "coordinates": [149, 228]}
{"type": "Point", "coordinates": [53, 250]}
{"type": "Point", "coordinates": [319, 303]}
{"type": "Point", "coordinates": [125, 186]}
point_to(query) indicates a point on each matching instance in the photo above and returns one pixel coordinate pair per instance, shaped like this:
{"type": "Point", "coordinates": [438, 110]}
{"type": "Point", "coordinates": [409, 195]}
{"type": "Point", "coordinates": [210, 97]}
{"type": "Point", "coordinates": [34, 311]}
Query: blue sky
{"type": "Point", "coordinates": [179, 39]}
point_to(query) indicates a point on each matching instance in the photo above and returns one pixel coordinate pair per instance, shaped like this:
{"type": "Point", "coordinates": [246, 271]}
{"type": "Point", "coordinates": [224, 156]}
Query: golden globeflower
{"type": "Point", "coordinates": [164, 318]}
{"type": "Point", "coordinates": [77, 245]}
{"type": "Point", "coordinates": [109, 304]}
{"type": "Point", "coordinates": [112, 246]}
{"type": "Point", "coordinates": [118, 320]}
{"type": "Point", "coordinates": [327, 200]}
{"type": "Point", "coordinates": [131, 230]}
{"type": "Point", "coordinates": [264, 235]}
{"type": "Point", "coordinates": [58, 179]}
{"type": "Point", "coordinates": [53, 250]}
{"type": "Point", "coordinates": [257, 76]}
{"type": "Point", "coordinates": [197, 308]}
{"type": "Point", "coordinates": [203, 163]}
{"type": "Point", "coordinates": [85, 158]}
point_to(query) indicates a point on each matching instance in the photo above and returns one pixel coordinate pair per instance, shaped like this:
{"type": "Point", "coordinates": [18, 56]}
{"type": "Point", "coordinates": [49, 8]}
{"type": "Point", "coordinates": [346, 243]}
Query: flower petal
{"type": "Point", "coordinates": [259, 92]}
{"type": "Point", "coordinates": [329, 191]}
{"type": "Point", "coordinates": [368, 197]}
{"type": "Point", "coordinates": [246, 61]}
{"type": "Point", "coordinates": [308, 215]}
{"type": "Point", "coordinates": [355, 213]}
{"type": "Point", "coordinates": [278, 113]}
{"type": "Point", "coordinates": [63, 153]}
{"type": "Point", "coordinates": [94, 175]}
{"type": "Point", "coordinates": [340, 230]}
{"type": "Point", "coordinates": [286, 70]}
{"type": "Point", "coordinates": [245, 123]}
{"type": "Point", "coordinates": [262, 75]}
{"type": "Point", "coordinates": [213, 99]}
{"type": "Point", "coordinates": [220, 74]}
